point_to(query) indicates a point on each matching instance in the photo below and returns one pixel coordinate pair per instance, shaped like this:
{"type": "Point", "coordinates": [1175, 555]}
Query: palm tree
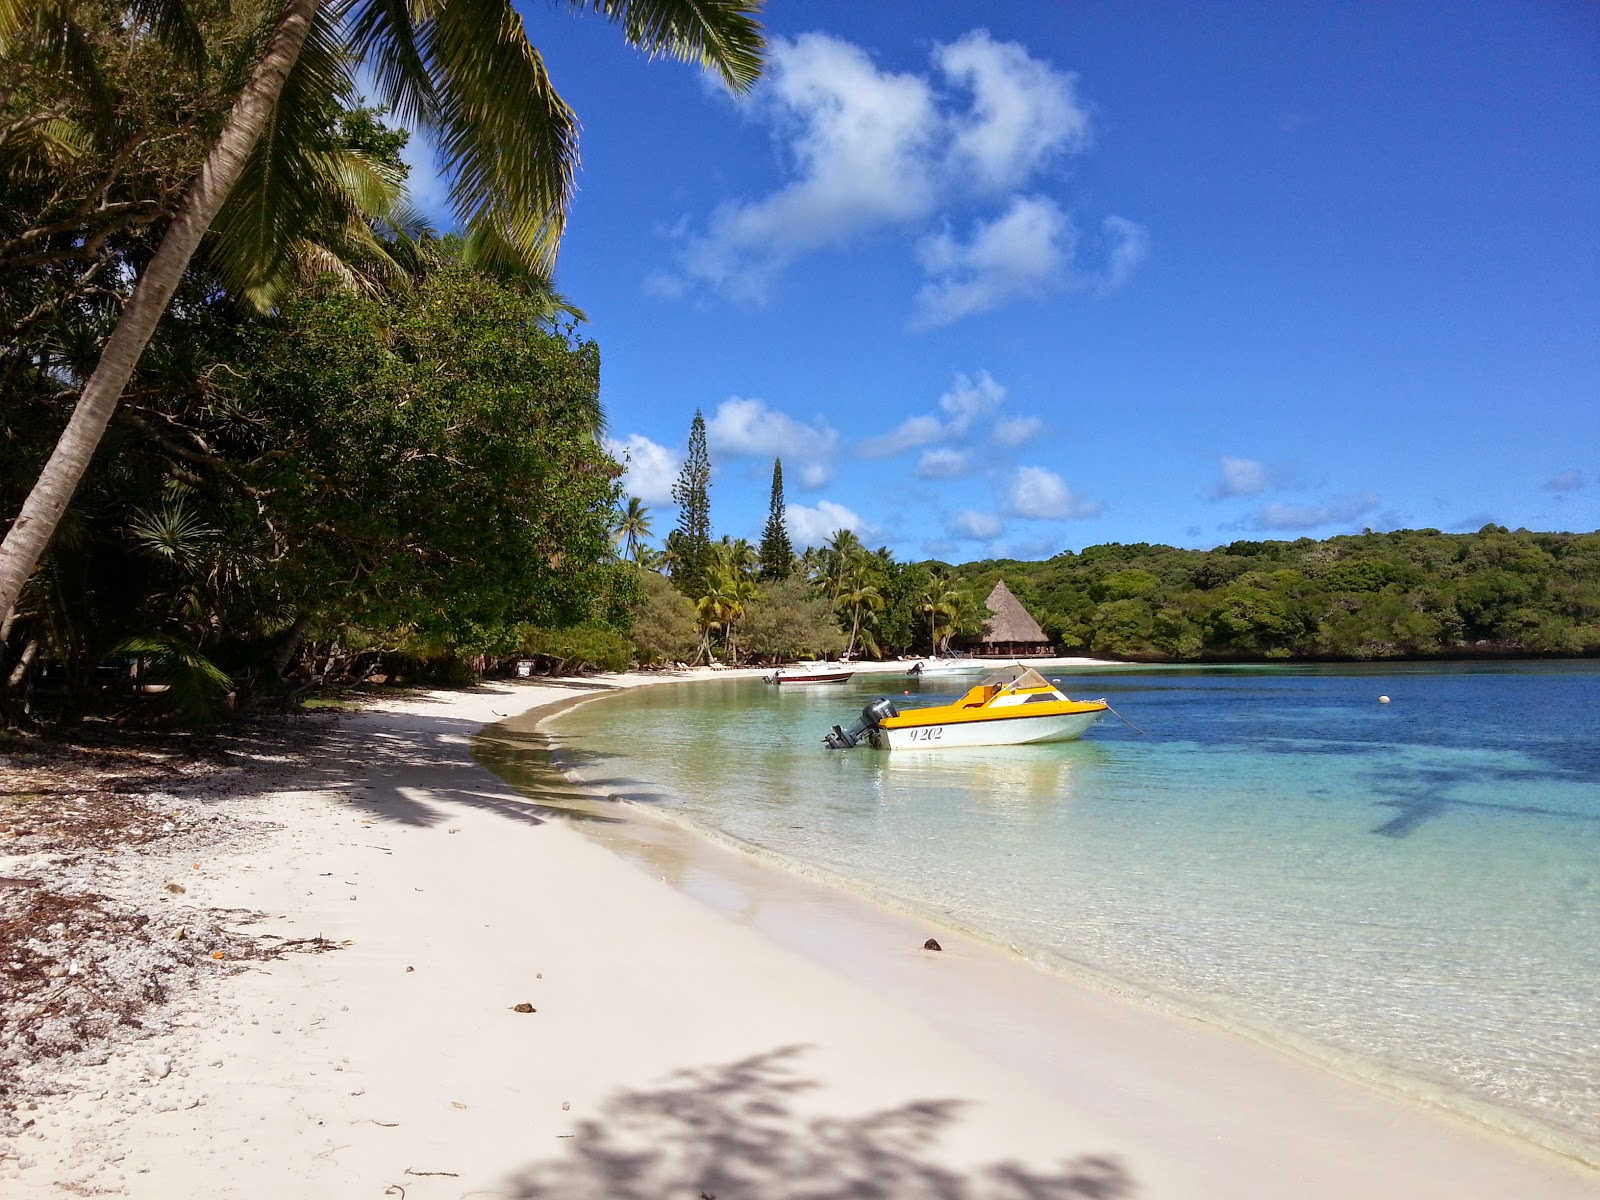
{"type": "Point", "coordinates": [860, 596]}
{"type": "Point", "coordinates": [463, 69]}
{"type": "Point", "coordinates": [943, 597]}
{"type": "Point", "coordinates": [634, 527]}
{"type": "Point", "coordinates": [736, 556]}
{"type": "Point", "coordinates": [739, 594]}
{"type": "Point", "coordinates": [711, 607]}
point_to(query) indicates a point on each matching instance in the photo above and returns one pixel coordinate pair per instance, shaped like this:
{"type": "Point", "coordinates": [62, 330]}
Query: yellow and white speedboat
{"type": "Point", "coordinates": [1015, 706]}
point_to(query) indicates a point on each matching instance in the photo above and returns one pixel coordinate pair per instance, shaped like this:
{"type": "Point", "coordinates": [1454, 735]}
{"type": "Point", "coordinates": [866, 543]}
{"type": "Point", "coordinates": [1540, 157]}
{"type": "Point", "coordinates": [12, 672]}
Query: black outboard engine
{"type": "Point", "coordinates": [844, 739]}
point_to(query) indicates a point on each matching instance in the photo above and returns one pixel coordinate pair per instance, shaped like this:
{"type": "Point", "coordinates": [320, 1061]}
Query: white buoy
{"type": "Point", "coordinates": [1383, 699]}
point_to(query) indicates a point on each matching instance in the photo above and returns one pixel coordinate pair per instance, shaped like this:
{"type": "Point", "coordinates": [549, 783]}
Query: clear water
{"type": "Point", "coordinates": [1411, 888]}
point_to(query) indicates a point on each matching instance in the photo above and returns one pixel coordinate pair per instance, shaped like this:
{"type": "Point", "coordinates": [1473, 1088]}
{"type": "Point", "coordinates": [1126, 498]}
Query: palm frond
{"type": "Point", "coordinates": [720, 35]}
{"type": "Point", "coordinates": [282, 191]}
{"type": "Point", "coordinates": [383, 34]}
{"type": "Point", "coordinates": [173, 23]}
{"type": "Point", "coordinates": [490, 250]}
{"type": "Point", "coordinates": [196, 687]}
{"type": "Point", "coordinates": [508, 140]}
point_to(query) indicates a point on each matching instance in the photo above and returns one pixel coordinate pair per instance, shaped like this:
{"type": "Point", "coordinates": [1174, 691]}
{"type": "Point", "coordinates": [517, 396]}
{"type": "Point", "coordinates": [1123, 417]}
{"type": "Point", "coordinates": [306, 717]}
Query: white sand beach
{"type": "Point", "coordinates": [703, 1026]}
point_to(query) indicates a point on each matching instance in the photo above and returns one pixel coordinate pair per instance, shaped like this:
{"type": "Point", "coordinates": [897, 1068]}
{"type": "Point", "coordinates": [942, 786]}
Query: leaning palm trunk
{"type": "Point", "coordinates": [36, 524]}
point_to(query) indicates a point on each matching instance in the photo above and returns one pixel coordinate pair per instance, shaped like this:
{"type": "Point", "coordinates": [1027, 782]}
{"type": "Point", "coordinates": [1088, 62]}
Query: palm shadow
{"type": "Point", "coordinates": [732, 1131]}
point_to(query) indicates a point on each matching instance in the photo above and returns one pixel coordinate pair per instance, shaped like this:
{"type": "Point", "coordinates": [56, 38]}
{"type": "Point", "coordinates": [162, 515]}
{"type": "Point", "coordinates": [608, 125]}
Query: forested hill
{"type": "Point", "coordinates": [1414, 593]}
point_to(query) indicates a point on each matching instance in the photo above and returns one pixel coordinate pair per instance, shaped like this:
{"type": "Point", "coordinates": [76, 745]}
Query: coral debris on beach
{"type": "Point", "coordinates": [97, 935]}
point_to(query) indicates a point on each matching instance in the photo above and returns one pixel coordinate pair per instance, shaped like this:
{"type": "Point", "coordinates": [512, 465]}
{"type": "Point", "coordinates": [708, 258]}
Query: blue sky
{"type": "Point", "coordinates": [1009, 279]}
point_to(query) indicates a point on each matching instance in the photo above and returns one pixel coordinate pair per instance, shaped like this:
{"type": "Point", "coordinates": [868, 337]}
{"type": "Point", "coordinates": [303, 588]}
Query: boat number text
{"type": "Point", "coordinates": [926, 735]}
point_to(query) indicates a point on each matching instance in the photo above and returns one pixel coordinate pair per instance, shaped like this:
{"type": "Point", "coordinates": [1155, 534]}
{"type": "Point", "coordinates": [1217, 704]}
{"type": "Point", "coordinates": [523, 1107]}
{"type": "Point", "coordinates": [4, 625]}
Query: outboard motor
{"type": "Point", "coordinates": [844, 739]}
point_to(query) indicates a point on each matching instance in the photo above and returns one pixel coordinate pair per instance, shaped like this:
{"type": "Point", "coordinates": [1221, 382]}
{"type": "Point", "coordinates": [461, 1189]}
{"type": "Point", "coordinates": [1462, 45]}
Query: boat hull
{"type": "Point", "coordinates": [792, 678]}
{"type": "Point", "coordinates": [994, 731]}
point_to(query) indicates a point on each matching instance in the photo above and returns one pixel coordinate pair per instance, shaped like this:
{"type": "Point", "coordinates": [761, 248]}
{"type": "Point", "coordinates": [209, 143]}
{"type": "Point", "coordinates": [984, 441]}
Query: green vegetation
{"type": "Point", "coordinates": [689, 545]}
{"type": "Point", "coordinates": [1413, 593]}
{"type": "Point", "coordinates": [261, 427]}
{"type": "Point", "coordinates": [777, 553]}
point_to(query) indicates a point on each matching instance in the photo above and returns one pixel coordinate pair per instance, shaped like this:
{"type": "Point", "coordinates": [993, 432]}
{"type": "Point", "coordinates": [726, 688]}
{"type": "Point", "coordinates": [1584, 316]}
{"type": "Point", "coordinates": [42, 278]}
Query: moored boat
{"type": "Point", "coordinates": [1014, 706]}
{"type": "Point", "coordinates": [810, 672]}
{"type": "Point", "coordinates": [934, 668]}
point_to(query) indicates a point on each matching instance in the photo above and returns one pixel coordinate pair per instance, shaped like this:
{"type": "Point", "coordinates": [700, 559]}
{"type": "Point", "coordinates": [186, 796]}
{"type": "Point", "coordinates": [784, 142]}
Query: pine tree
{"type": "Point", "coordinates": [692, 538]}
{"type": "Point", "coordinates": [777, 555]}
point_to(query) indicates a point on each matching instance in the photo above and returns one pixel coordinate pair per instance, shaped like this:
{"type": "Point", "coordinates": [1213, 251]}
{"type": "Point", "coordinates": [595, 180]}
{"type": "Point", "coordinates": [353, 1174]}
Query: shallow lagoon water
{"type": "Point", "coordinates": [1410, 890]}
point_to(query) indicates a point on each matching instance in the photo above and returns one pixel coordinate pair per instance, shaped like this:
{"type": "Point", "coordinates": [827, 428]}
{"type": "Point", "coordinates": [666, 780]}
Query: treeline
{"type": "Point", "coordinates": [1413, 593]}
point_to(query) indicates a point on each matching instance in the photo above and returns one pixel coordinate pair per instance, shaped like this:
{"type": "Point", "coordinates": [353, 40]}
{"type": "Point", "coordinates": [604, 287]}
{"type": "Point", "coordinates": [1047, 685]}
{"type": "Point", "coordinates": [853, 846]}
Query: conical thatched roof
{"type": "Point", "coordinates": [1011, 622]}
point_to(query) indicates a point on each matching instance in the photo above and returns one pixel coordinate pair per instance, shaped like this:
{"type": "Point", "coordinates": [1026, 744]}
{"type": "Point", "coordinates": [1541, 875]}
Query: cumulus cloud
{"type": "Point", "coordinates": [859, 143]}
{"type": "Point", "coordinates": [1042, 495]}
{"type": "Point", "coordinates": [1022, 252]}
{"type": "Point", "coordinates": [1023, 110]}
{"type": "Point", "coordinates": [814, 525]}
{"type": "Point", "coordinates": [1567, 481]}
{"type": "Point", "coordinates": [866, 150]}
{"type": "Point", "coordinates": [1289, 517]}
{"type": "Point", "coordinates": [1016, 431]}
{"type": "Point", "coordinates": [1240, 477]}
{"type": "Point", "coordinates": [979, 526]}
{"type": "Point", "coordinates": [743, 427]}
{"type": "Point", "coordinates": [966, 402]}
{"type": "Point", "coordinates": [944, 463]}
{"type": "Point", "coordinates": [651, 469]}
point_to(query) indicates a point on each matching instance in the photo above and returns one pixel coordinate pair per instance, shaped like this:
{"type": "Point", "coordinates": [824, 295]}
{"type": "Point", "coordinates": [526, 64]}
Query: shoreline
{"type": "Point", "coordinates": [1493, 1120]}
{"type": "Point", "coordinates": [671, 1047]}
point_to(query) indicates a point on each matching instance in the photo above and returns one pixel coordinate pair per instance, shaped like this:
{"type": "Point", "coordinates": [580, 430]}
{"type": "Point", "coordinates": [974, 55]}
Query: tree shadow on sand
{"type": "Point", "coordinates": [731, 1131]}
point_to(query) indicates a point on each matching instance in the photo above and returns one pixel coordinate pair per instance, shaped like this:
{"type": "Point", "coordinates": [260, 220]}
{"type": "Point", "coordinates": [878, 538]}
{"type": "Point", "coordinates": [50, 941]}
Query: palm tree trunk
{"type": "Point", "coordinates": [32, 530]}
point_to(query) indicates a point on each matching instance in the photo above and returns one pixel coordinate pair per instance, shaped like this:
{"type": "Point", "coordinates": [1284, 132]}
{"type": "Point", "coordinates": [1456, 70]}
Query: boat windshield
{"type": "Point", "coordinates": [1015, 676]}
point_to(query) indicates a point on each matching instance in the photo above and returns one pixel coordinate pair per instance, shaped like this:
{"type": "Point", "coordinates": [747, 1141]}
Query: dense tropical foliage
{"type": "Point", "coordinates": [257, 421]}
{"type": "Point", "coordinates": [1412, 593]}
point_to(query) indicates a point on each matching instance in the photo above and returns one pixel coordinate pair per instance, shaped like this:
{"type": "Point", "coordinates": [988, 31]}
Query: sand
{"type": "Point", "coordinates": [737, 1032]}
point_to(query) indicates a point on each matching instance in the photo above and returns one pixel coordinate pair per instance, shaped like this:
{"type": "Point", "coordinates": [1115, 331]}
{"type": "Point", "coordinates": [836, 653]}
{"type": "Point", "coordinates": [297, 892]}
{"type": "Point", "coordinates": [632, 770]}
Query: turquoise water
{"type": "Point", "coordinates": [1408, 890]}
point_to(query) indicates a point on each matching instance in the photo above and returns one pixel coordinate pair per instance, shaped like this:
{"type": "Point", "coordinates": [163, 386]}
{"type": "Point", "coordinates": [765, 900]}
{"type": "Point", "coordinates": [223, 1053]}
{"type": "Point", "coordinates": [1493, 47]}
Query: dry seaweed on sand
{"type": "Point", "coordinates": [94, 938]}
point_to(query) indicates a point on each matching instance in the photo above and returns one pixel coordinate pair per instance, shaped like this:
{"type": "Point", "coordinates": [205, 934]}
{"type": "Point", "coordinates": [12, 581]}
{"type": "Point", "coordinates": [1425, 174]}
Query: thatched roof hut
{"type": "Point", "coordinates": [1012, 630]}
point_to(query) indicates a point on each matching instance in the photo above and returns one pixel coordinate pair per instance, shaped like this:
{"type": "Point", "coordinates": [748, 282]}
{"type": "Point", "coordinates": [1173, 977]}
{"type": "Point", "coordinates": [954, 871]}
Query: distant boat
{"type": "Point", "coordinates": [930, 668]}
{"type": "Point", "coordinates": [810, 672]}
{"type": "Point", "coordinates": [1015, 706]}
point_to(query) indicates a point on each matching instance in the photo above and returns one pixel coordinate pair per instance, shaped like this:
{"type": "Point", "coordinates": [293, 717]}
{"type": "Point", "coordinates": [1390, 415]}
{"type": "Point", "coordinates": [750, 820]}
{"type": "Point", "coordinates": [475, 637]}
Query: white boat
{"type": "Point", "coordinates": [810, 672]}
{"type": "Point", "coordinates": [1015, 706]}
{"type": "Point", "coordinates": [934, 668]}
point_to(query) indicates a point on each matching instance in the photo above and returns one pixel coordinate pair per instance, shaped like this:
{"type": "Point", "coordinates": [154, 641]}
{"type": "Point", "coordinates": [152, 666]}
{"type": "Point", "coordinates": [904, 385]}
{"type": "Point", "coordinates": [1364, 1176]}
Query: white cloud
{"type": "Point", "coordinates": [651, 469]}
{"type": "Point", "coordinates": [814, 475]}
{"type": "Point", "coordinates": [1023, 111]}
{"type": "Point", "coordinates": [743, 427]}
{"type": "Point", "coordinates": [1290, 517]}
{"type": "Point", "coordinates": [811, 526]}
{"type": "Point", "coordinates": [968, 400]}
{"type": "Point", "coordinates": [1567, 481]}
{"type": "Point", "coordinates": [1240, 477]}
{"type": "Point", "coordinates": [1042, 495]}
{"type": "Point", "coordinates": [1127, 246]}
{"type": "Point", "coordinates": [858, 141]}
{"type": "Point", "coordinates": [980, 526]}
{"type": "Point", "coordinates": [1016, 431]}
{"type": "Point", "coordinates": [1022, 252]}
{"type": "Point", "coordinates": [864, 149]}
{"type": "Point", "coordinates": [942, 462]}
{"type": "Point", "coordinates": [908, 435]}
